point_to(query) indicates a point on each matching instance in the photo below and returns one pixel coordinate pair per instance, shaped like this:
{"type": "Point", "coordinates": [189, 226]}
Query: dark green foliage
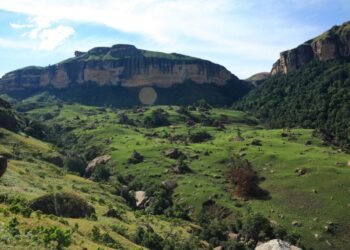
{"type": "Point", "coordinates": [63, 204]}
{"type": "Point", "coordinates": [16, 205]}
{"type": "Point", "coordinates": [12, 227]}
{"type": "Point", "coordinates": [75, 163]}
{"type": "Point", "coordinates": [214, 232]}
{"type": "Point", "coordinates": [199, 136]}
{"type": "Point", "coordinates": [100, 172]}
{"type": "Point", "coordinates": [148, 238]}
{"type": "Point", "coordinates": [317, 96]}
{"type": "Point", "coordinates": [257, 227]}
{"type": "Point", "coordinates": [104, 238]}
{"type": "Point", "coordinates": [62, 238]}
{"type": "Point", "coordinates": [158, 118]}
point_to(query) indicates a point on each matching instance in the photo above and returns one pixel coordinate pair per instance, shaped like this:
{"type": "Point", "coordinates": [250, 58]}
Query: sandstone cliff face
{"type": "Point", "coordinates": [120, 65]}
{"type": "Point", "coordinates": [332, 44]}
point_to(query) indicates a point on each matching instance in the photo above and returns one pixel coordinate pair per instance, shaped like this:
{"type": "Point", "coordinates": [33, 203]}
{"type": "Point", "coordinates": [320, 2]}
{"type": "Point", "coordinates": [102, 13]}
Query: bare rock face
{"type": "Point", "coordinates": [119, 65]}
{"type": "Point", "coordinates": [98, 160]}
{"type": "Point", "coordinates": [335, 43]}
{"type": "Point", "coordinates": [141, 198]}
{"type": "Point", "coordinates": [276, 245]}
{"type": "Point", "coordinates": [3, 165]}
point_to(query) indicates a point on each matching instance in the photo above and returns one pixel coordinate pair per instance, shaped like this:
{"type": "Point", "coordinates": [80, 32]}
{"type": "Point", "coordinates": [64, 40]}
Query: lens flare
{"type": "Point", "coordinates": [148, 96]}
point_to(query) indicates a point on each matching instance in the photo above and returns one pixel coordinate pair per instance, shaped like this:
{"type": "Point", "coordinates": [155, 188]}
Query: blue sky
{"type": "Point", "coordinates": [245, 36]}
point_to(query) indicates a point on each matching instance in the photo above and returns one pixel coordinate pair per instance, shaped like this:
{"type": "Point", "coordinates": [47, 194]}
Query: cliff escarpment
{"type": "Point", "coordinates": [333, 44]}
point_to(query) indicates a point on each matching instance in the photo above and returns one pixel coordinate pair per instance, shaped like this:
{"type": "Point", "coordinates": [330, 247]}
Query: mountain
{"type": "Point", "coordinates": [313, 94]}
{"type": "Point", "coordinates": [258, 78]}
{"type": "Point", "coordinates": [333, 44]}
{"type": "Point", "coordinates": [114, 74]}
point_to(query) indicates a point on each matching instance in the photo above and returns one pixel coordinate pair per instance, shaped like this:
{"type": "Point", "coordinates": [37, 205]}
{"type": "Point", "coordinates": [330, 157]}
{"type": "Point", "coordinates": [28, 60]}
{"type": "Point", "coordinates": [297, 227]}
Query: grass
{"type": "Point", "coordinates": [292, 197]}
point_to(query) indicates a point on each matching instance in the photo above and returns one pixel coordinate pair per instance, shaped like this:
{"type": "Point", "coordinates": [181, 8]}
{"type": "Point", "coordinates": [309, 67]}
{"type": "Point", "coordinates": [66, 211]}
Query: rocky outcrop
{"type": "Point", "coordinates": [276, 245]}
{"type": "Point", "coordinates": [119, 65]}
{"type": "Point", "coordinates": [8, 118]}
{"type": "Point", "coordinates": [98, 160]}
{"type": "Point", "coordinates": [335, 43]}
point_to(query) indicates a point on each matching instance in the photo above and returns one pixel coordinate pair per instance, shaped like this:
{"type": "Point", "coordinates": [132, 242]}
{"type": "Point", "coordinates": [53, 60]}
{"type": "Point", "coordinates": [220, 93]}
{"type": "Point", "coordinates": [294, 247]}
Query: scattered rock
{"type": "Point", "coordinates": [238, 138]}
{"type": "Point", "coordinates": [112, 213]}
{"type": "Point", "coordinates": [141, 198]}
{"type": "Point", "coordinates": [136, 158]}
{"type": "Point", "coordinates": [300, 171]}
{"type": "Point", "coordinates": [256, 142]}
{"type": "Point", "coordinates": [297, 223]}
{"type": "Point", "coordinates": [63, 204]}
{"type": "Point", "coordinates": [308, 142]}
{"type": "Point", "coordinates": [173, 153]}
{"type": "Point", "coordinates": [169, 184]}
{"type": "Point", "coordinates": [3, 165]}
{"type": "Point", "coordinates": [276, 244]}
{"type": "Point", "coordinates": [98, 160]}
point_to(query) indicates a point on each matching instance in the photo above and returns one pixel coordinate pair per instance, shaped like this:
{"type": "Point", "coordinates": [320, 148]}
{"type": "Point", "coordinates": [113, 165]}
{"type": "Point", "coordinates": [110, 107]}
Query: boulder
{"type": "Point", "coordinates": [3, 165]}
{"type": "Point", "coordinates": [63, 204]}
{"type": "Point", "coordinates": [276, 244]}
{"type": "Point", "coordinates": [256, 142]}
{"type": "Point", "coordinates": [169, 184]}
{"type": "Point", "coordinates": [98, 160]}
{"type": "Point", "coordinates": [173, 153]}
{"type": "Point", "coordinates": [136, 158]}
{"type": "Point", "coordinates": [141, 198]}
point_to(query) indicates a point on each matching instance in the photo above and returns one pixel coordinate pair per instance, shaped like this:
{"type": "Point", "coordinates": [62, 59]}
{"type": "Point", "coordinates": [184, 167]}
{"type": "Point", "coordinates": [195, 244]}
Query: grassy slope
{"type": "Point", "coordinates": [292, 197]}
{"type": "Point", "coordinates": [30, 177]}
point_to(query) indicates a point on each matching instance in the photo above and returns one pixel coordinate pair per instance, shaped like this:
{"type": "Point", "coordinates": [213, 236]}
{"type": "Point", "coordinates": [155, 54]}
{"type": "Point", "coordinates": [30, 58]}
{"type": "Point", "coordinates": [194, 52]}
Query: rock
{"type": "Point", "coordinates": [141, 198]}
{"type": "Point", "coordinates": [277, 244]}
{"type": "Point", "coordinates": [308, 142]}
{"type": "Point", "coordinates": [173, 153]}
{"type": "Point", "coordinates": [256, 142]}
{"type": "Point", "coordinates": [112, 213]}
{"type": "Point", "coordinates": [238, 138]}
{"type": "Point", "coordinates": [136, 158]}
{"type": "Point", "coordinates": [169, 184]}
{"type": "Point", "coordinates": [218, 248]}
{"type": "Point", "coordinates": [63, 204]}
{"type": "Point", "coordinates": [349, 163]}
{"type": "Point", "coordinates": [3, 165]}
{"type": "Point", "coordinates": [232, 236]}
{"type": "Point", "coordinates": [300, 171]}
{"type": "Point", "coordinates": [297, 223]}
{"type": "Point", "coordinates": [98, 160]}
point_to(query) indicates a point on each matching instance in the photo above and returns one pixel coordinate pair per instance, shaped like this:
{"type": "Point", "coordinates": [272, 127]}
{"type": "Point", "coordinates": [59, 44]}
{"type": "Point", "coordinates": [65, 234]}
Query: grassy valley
{"type": "Point", "coordinates": [183, 158]}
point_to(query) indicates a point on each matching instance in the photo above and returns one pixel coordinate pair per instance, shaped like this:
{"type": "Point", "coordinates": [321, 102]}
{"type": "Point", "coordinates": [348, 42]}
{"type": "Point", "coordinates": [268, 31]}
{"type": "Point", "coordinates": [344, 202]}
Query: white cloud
{"type": "Point", "coordinates": [253, 30]}
{"type": "Point", "coordinates": [41, 31]}
{"type": "Point", "coordinates": [52, 38]}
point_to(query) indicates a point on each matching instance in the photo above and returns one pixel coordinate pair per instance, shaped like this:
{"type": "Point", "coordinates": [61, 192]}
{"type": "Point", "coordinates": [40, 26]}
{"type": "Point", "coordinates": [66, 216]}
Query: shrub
{"type": "Point", "coordinates": [100, 173]}
{"type": "Point", "coordinates": [157, 118]}
{"type": "Point", "coordinates": [243, 178]}
{"type": "Point", "coordinates": [75, 164]}
{"type": "Point", "coordinates": [148, 238]}
{"type": "Point", "coordinates": [200, 136]}
{"type": "Point", "coordinates": [63, 204]}
{"type": "Point", "coordinates": [257, 227]}
{"type": "Point", "coordinates": [62, 238]}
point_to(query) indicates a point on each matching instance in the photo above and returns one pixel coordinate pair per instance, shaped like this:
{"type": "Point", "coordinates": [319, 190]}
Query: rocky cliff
{"type": "Point", "coordinates": [335, 43]}
{"type": "Point", "coordinates": [119, 65]}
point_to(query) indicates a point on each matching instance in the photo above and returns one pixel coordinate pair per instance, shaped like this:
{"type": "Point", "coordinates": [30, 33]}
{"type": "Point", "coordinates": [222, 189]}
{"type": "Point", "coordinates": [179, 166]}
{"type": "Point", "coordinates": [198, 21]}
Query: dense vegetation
{"type": "Point", "coordinates": [317, 96]}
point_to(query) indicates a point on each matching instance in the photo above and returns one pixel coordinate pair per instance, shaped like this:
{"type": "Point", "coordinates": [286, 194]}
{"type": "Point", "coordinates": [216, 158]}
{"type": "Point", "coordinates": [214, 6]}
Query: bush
{"type": "Point", "coordinates": [243, 178]}
{"type": "Point", "coordinates": [100, 173]}
{"type": "Point", "coordinates": [257, 227]}
{"type": "Point", "coordinates": [158, 118]}
{"type": "Point", "coordinates": [62, 238]}
{"type": "Point", "coordinates": [63, 204]}
{"type": "Point", "coordinates": [200, 136]}
{"type": "Point", "coordinates": [75, 164]}
{"type": "Point", "coordinates": [148, 238]}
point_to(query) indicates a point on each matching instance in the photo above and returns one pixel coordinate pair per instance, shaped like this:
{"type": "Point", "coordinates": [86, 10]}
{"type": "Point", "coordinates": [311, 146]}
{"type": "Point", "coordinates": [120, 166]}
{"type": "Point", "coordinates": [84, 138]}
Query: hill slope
{"type": "Point", "coordinates": [316, 96]}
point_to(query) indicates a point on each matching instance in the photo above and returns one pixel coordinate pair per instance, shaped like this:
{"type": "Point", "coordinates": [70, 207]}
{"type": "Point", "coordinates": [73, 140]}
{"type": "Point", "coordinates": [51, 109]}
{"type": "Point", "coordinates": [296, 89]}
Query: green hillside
{"type": "Point", "coordinates": [303, 184]}
{"type": "Point", "coordinates": [317, 96]}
